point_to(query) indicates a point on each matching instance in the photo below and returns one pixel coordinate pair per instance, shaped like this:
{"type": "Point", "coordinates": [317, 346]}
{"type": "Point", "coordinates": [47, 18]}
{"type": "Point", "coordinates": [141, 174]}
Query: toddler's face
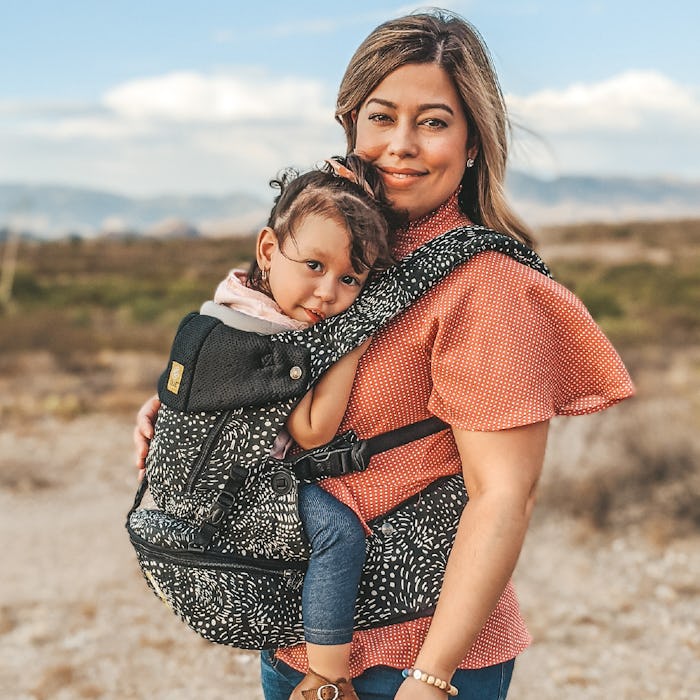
{"type": "Point", "coordinates": [311, 275]}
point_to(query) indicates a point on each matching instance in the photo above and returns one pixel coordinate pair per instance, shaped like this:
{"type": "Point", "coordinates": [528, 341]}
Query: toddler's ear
{"type": "Point", "coordinates": [265, 247]}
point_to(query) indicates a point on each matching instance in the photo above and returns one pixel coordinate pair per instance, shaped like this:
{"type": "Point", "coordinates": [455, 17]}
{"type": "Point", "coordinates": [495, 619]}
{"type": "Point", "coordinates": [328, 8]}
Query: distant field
{"type": "Point", "coordinates": [640, 281]}
{"type": "Point", "coordinates": [106, 310]}
{"type": "Point", "coordinates": [91, 295]}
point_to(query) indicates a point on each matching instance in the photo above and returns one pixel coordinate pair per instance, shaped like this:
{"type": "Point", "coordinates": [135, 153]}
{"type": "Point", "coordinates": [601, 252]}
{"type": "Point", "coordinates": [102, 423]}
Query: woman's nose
{"type": "Point", "coordinates": [402, 141]}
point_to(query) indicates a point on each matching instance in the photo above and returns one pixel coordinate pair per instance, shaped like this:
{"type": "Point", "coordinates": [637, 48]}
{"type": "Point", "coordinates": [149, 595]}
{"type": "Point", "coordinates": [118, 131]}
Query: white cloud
{"type": "Point", "coordinates": [206, 116]}
{"type": "Point", "coordinates": [233, 130]}
{"type": "Point", "coordinates": [636, 123]}
{"type": "Point", "coordinates": [627, 102]}
{"type": "Point", "coordinates": [199, 98]}
{"type": "Point", "coordinates": [180, 132]}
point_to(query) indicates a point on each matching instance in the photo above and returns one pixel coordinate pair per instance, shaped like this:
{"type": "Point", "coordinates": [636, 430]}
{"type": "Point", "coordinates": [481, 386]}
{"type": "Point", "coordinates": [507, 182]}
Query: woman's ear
{"type": "Point", "coordinates": [473, 146]}
{"type": "Point", "coordinates": [265, 247]}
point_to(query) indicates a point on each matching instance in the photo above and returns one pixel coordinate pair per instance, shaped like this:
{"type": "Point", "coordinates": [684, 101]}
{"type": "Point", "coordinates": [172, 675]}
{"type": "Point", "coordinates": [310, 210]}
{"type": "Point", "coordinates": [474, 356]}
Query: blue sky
{"type": "Point", "coordinates": [150, 97]}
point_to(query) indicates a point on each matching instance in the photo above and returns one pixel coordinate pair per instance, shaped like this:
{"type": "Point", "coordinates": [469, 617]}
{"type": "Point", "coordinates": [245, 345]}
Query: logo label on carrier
{"type": "Point", "coordinates": [175, 377]}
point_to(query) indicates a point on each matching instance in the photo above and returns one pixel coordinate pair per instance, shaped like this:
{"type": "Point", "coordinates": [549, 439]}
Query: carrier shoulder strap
{"type": "Point", "coordinates": [216, 367]}
{"type": "Point", "coordinates": [397, 288]}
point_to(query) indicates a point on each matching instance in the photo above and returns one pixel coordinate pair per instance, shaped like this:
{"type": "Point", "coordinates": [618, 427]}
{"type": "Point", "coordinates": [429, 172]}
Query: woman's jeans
{"type": "Point", "coordinates": [337, 541]}
{"type": "Point", "coordinates": [382, 682]}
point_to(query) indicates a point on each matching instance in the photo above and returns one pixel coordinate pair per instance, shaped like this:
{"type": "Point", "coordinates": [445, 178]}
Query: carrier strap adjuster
{"type": "Point", "coordinates": [220, 508]}
{"type": "Point", "coordinates": [347, 454]}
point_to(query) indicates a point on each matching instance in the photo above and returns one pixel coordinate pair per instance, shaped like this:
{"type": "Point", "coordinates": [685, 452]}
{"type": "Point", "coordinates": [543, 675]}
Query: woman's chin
{"type": "Point", "coordinates": [402, 205]}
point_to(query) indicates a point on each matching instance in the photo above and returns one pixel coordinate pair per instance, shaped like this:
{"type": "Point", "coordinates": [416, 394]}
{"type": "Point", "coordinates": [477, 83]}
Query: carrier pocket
{"type": "Point", "coordinates": [225, 597]}
{"type": "Point", "coordinates": [189, 456]}
{"type": "Point", "coordinates": [179, 449]}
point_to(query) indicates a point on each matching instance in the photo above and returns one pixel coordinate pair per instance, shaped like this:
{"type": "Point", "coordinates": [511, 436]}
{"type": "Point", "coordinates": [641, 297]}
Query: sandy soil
{"type": "Point", "coordinates": [614, 613]}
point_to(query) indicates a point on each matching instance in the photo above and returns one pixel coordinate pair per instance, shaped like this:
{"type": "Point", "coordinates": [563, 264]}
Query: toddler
{"type": "Point", "coordinates": [327, 232]}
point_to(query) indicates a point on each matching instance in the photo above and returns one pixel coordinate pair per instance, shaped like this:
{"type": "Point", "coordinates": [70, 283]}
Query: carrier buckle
{"type": "Point", "coordinates": [220, 508]}
{"type": "Point", "coordinates": [337, 460]}
{"type": "Point", "coordinates": [359, 453]}
{"type": "Point", "coordinates": [333, 462]}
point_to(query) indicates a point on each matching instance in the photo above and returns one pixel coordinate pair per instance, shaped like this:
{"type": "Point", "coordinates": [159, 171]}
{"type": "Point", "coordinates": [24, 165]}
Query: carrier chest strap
{"type": "Point", "coordinates": [347, 454]}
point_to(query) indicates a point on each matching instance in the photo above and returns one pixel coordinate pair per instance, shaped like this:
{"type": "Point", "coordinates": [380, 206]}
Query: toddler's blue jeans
{"type": "Point", "coordinates": [337, 555]}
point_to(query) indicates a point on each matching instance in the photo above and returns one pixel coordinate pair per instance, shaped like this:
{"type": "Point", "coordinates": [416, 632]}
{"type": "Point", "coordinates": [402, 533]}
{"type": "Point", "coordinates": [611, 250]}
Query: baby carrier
{"type": "Point", "coordinates": [225, 548]}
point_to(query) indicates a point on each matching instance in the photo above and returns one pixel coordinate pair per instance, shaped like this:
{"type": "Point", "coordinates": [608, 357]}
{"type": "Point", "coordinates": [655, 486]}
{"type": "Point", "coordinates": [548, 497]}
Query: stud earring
{"type": "Point", "coordinates": [470, 162]}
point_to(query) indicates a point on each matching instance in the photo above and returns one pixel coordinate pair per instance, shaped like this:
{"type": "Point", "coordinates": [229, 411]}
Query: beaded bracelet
{"type": "Point", "coordinates": [430, 680]}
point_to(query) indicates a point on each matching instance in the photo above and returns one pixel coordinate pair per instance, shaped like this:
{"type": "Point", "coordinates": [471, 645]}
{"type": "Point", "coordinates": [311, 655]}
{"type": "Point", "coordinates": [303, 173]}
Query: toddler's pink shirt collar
{"type": "Point", "coordinates": [232, 292]}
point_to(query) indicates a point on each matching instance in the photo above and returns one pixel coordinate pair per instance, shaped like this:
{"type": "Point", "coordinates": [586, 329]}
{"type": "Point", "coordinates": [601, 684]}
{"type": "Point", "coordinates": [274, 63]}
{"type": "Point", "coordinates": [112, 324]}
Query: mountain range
{"type": "Point", "coordinates": [53, 211]}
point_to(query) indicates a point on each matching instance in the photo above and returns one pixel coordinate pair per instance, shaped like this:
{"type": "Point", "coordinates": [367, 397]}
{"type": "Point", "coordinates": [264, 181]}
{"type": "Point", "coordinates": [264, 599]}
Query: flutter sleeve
{"type": "Point", "coordinates": [513, 347]}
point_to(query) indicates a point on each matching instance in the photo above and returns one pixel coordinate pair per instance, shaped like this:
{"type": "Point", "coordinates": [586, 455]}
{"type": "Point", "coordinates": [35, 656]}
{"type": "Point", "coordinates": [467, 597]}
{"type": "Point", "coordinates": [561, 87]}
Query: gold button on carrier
{"type": "Point", "coordinates": [295, 372]}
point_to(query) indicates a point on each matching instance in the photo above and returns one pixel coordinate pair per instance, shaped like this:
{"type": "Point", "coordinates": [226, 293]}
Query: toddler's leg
{"type": "Point", "coordinates": [337, 555]}
{"type": "Point", "coordinates": [330, 586]}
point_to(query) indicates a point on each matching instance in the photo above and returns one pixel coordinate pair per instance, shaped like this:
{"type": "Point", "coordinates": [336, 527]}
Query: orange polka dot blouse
{"type": "Point", "coordinates": [494, 345]}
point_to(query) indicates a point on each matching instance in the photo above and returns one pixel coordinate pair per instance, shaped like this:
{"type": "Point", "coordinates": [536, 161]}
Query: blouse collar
{"type": "Point", "coordinates": [419, 231]}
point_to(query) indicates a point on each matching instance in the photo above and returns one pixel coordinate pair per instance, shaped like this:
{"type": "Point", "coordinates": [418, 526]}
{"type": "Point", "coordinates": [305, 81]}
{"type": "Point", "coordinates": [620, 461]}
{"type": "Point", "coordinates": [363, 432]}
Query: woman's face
{"type": "Point", "coordinates": [413, 129]}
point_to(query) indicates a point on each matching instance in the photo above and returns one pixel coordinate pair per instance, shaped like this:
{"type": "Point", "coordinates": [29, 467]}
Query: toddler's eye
{"type": "Point", "coordinates": [350, 281]}
{"type": "Point", "coordinates": [314, 265]}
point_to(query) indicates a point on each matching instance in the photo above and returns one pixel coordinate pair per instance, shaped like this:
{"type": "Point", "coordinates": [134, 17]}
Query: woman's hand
{"type": "Point", "coordinates": [143, 431]}
{"type": "Point", "coordinates": [411, 689]}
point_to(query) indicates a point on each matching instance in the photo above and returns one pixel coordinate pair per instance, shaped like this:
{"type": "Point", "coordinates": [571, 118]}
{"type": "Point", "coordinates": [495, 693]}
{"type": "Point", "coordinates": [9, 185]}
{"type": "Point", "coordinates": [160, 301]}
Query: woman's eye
{"type": "Point", "coordinates": [314, 265]}
{"type": "Point", "coordinates": [379, 118]}
{"type": "Point", "coordinates": [435, 123]}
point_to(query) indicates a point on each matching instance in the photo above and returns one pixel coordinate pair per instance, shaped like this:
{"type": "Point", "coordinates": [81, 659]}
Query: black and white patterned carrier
{"type": "Point", "coordinates": [224, 548]}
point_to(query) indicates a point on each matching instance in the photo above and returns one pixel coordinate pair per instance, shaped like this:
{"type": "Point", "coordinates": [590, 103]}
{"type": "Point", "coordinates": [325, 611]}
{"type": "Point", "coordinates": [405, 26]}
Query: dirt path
{"type": "Point", "coordinates": [613, 616]}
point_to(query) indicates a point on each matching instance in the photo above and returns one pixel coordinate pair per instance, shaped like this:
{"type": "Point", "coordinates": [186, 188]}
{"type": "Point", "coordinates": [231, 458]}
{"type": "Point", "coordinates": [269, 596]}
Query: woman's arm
{"type": "Point", "coordinates": [316, 418]}
{"type": "Point", "coordinates": [501, 470]}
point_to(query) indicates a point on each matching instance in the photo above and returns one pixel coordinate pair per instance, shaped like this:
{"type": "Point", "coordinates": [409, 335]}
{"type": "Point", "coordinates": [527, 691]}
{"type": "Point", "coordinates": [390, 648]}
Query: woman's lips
{"type": "Point", "coordinates": [399, 176]}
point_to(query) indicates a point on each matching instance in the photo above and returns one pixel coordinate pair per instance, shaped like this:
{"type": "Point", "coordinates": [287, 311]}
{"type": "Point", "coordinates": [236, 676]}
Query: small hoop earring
{"type": "Point", "coordinates": [470, 162]}
{"type": "Point", "coordinates": [263, 275]}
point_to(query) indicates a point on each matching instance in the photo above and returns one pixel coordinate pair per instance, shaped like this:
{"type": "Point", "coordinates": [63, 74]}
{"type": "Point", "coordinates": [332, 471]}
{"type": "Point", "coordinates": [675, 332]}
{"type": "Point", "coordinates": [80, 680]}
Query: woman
{"type": "Point", "coordinates": [495, 350]}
